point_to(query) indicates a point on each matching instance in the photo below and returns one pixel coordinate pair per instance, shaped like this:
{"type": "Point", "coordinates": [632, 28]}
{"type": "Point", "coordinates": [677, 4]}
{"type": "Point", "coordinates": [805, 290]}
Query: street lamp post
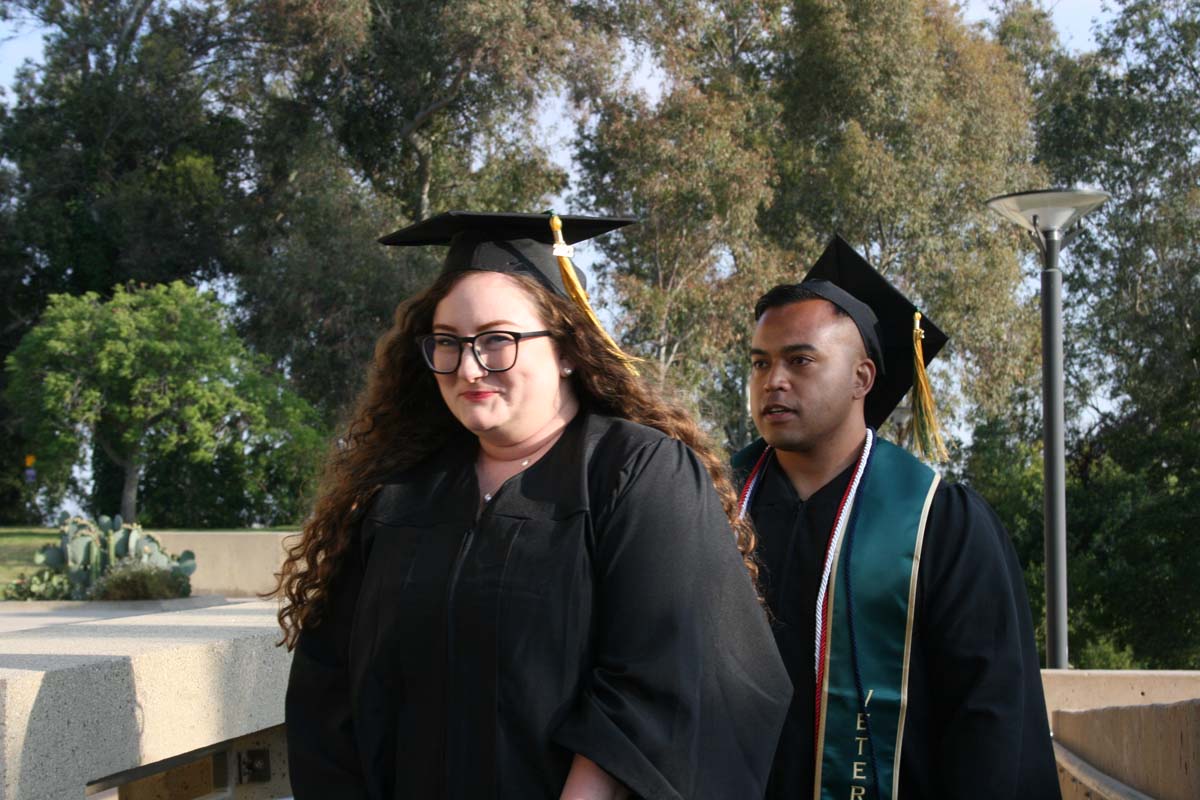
{"type": "Point", "coordinates": [1048, 215]}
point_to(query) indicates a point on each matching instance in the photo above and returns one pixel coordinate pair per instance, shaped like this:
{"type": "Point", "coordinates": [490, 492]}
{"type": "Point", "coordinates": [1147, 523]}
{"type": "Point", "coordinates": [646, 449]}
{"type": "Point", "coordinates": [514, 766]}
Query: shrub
{"type": "Point", "coordinates": [133, 580]}
{"type": "Point", "coordinates": [45, 584]}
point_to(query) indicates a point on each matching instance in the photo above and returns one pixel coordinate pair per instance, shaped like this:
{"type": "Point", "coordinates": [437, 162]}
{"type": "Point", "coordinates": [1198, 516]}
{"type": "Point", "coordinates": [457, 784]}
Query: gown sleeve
{"type": "Point", "coordinates": [322, 756]}
{"type": "Point", "coordinates": [687, 692]}
{"type": "Point", "coordinates": [990, 710]}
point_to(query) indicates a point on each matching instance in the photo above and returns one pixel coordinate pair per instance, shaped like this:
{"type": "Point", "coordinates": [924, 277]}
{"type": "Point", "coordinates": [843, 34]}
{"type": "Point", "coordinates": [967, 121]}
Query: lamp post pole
{"type": "Point", "coordinates": [1051, 217]}
{"type": "Point", "coordinates": [1054, 455]}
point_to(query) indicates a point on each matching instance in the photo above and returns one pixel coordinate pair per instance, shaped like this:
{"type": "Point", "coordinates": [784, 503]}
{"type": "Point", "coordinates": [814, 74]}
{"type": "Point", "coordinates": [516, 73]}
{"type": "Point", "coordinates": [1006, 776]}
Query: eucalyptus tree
{"type": "Point", "coordinates": [898, 120]}
{"type": "Point", "coordinates": [780, 124]}
{"type": "Point", "coordinates": [695, 166]}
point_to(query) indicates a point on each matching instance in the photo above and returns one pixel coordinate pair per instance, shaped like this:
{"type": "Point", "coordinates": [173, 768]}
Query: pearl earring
{"type": "Point", "coordinates": [566, 373]}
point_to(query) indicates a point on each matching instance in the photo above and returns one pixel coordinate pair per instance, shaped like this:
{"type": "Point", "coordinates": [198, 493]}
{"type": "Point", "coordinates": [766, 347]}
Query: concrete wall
{"type": "Point", "coordinates": [82, 701]}
{"type": "Point", "coordinates": [1152, 748]}
{"type": "Point", "coordinates": [1077, 689]}
{"type": "Point", "coordinates": [1079, 780]}
{"type": "Point", "coordinates": [230, 563]}
{"type": "Point", "coordinates": [91, 693]}
{"type": "Point", "coordinates": [1125, 735]}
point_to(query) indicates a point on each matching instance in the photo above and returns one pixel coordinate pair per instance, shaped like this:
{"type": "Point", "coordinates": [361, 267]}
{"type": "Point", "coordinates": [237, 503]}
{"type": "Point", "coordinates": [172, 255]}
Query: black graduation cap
{"type": "Point", "coordinates": [504, 242]}
{"type": "Point", "coordinates": [885, 318]}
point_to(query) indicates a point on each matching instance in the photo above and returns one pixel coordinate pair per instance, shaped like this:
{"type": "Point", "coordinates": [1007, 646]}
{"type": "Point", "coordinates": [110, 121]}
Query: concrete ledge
{"type": "Point", "coordinates": [230, 563]}
{"type": "Point", "coordinates": [1079, 780]}
{"type": "Point", "coordinates": [82, 701]}
{"type": "Point", "coordinates": [1100, 688]}
{"type": "Point", "coordinates": [1152, 748]}
{"type": "Point", "coordinates": [27, 614]}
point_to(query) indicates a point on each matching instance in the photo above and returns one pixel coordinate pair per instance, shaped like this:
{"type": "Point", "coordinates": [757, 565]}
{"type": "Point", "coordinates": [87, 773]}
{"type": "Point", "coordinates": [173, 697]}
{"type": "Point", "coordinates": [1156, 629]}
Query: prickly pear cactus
{"type": "Point", "coordinates": [186, 564]}
{"type": "Point", "coordinates": [51, 556]}
{"type": "Point", "coordinates": [87, 551]}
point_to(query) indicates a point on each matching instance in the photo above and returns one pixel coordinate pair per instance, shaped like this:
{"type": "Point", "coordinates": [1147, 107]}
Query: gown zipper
{"type": "Point", "coordinates": [455, 571]}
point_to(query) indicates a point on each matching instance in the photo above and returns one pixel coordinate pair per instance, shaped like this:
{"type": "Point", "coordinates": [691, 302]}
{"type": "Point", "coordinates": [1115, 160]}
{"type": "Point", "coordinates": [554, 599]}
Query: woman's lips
{"type": "Point", "coordinates": [478, 396]}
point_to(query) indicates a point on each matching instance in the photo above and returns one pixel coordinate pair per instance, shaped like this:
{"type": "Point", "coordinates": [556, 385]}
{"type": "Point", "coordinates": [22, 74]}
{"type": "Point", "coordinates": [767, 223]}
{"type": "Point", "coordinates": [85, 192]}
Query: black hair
{"type": "Point", "coordinates": [787, 293]}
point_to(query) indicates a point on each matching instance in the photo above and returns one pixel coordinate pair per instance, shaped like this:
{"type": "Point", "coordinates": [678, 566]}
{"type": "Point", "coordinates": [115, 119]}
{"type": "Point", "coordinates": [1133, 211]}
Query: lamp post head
{"type": "Point", "coordinates": [1048, 214]}
{"type": "Point", "coordinates": [1048, 210]}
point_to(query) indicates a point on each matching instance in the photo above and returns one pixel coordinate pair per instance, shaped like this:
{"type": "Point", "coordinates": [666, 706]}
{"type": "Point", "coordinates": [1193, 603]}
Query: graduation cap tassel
{"type": "Point", "coordinates": [577, 293]}
{"type": "Point", "coordinates": [927, 437]}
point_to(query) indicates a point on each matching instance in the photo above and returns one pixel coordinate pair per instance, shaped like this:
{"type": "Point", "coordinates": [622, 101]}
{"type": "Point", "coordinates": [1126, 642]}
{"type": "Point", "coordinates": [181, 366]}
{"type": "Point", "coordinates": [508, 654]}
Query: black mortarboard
{"type": "Point", "coordinates": [504, 242]}
{"type": "Point", "coordinates": [886, 320]}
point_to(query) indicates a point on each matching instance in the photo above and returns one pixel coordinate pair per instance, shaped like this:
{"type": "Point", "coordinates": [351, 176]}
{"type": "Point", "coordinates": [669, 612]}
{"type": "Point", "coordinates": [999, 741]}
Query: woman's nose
{"type": "Point", "coordinates": [469, 368]}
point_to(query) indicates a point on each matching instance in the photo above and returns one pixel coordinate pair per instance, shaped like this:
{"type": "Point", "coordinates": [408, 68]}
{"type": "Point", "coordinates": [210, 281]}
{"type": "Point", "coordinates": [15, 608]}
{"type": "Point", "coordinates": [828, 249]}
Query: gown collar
{"type": "Point", "coordinates": [554, 486]}
{"type": "Point", "coordinates": [778, 489]}
{"type": "Point", "coordinates": [444, 488]}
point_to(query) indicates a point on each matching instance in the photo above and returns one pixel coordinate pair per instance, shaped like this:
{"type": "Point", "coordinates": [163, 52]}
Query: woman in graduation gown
{"type": "Point", "coordinates": [520, 578]}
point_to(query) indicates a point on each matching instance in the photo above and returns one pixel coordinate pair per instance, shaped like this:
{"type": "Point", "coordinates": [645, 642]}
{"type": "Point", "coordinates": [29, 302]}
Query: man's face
{"type": "Point", "coordinates": [808, 375]}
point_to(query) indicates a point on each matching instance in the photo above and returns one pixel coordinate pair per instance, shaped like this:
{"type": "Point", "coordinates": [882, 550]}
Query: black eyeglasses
{"type": "Point", "coordinates": [495, 351]}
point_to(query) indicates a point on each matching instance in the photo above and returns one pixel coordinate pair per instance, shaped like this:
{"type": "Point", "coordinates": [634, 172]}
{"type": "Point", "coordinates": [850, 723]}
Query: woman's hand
{"type": "Point", "coordinates": [587, 781]}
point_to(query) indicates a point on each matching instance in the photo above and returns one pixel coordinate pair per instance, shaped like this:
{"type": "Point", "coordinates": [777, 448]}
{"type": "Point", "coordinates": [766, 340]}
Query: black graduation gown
{"type": "Point", "coordinates": [976, 724]}
{"type": "Point", "coordinates": [598, 605]}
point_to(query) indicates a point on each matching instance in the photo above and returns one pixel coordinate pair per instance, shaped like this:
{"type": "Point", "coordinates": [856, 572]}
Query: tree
{"type": "Point", "coordinates": [153, 371]}
{"type": "Point", "coordinates": [782, 123]}
{"type": "Point", "coordinates": [264, 146]}
{"type": "Point", "coordinates": [124, 156]}
{"type": "Point", "coordinates": [318, 289]}
{"type": "Point", "coordinates": [897, 122]}
{"type": "Point", "coordinates": [127, 164]}
{"type": "Point", "coordinates": [424, 108]}
{"type": "Point", "coordinates": [686, 276]}
{"type": "Point", "coordinates": [695, 168]}
{"type": "Point", "coordinates": [440, 100]}
{"type": "Point", "coordinates": [265, 476]}
{"type": "Point", "coordinates": [1127, 118]}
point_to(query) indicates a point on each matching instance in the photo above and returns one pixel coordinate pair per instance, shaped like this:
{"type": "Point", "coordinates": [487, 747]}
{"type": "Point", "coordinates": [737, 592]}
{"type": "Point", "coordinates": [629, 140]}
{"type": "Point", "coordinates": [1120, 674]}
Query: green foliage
{"type": "Point", "coordinates": [326, 290]}
{"type": "Point", "coordinates": [1103, 653]}
{"type": "Point", "coordinates": [44, 584]}
{"type": "Point", "coordinates": [264, 478]}
{"type": "Point", "coordinates": [88, 552]}
{"type": "Point", "coordinates": [152, 372]}
{"type": "Point", "coordinates": [781, 124]}
{"type": "Point", "coordinates": [686, 277]}
{"type": "Point", "coordinates": [897, 121]}
{"type": "Point", "coordinates": [1133, 546]}
{"type": "Point", "coordinates": [127, 156]}
{"type": "Point", "coordinates": [1127, 118]}
{"type": "Point", "coordinates": [1005, 467]}
{"type": "Point", "coordinates": [436, 109]}
{"type": "Point", "coordinates": [134, 580]}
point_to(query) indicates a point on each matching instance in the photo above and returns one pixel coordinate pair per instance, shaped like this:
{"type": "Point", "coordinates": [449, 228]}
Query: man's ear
{"type": "Point", "coordinates": [864, 377]}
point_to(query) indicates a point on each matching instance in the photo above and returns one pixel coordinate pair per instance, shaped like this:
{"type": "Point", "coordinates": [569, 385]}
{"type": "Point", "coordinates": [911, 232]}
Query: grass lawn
{"type": "Point", "coordinates": [17, 546]}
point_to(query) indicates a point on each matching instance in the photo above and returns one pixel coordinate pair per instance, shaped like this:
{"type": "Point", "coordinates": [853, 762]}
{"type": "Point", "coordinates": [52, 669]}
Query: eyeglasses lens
{"type": "Point", "coordinates": [494, 350]}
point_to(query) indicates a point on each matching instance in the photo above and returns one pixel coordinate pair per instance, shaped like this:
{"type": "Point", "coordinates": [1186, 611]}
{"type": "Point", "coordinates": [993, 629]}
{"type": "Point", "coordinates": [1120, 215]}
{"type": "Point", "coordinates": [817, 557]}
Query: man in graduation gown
{"type": "Point", "coordinates": [899, 605]}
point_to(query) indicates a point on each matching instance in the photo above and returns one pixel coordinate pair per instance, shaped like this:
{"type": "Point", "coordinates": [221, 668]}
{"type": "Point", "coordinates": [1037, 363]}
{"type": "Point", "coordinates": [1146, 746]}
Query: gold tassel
{"type": "Point", "coordinates": [577, 293]}
{"type": "Point", "coordinates": [927, 437]}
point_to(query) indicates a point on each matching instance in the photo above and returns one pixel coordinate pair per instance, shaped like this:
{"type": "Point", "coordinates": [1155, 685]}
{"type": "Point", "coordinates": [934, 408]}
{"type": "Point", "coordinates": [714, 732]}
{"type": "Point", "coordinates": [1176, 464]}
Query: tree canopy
{"type": "Point", "coordinates": [150, 372]}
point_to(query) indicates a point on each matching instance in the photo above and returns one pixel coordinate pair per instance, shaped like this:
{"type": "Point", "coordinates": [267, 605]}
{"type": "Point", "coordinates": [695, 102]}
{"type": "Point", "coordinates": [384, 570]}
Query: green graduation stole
{"type": "Point", "coordinates": [862, 657]}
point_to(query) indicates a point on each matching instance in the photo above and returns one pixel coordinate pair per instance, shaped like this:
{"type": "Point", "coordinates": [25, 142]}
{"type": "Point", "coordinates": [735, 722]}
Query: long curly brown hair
{"type": "Point", "coordinates": [400, 420]}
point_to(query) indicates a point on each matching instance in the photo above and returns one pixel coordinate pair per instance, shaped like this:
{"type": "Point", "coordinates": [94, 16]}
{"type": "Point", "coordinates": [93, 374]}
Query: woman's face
{"type": "Point", "coordinates": [510, 407]}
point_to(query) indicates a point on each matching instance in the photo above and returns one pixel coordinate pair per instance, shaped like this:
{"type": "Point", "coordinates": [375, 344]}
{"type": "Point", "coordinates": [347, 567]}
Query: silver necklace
{"type": "Point", "coordinates": [487, 496]}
